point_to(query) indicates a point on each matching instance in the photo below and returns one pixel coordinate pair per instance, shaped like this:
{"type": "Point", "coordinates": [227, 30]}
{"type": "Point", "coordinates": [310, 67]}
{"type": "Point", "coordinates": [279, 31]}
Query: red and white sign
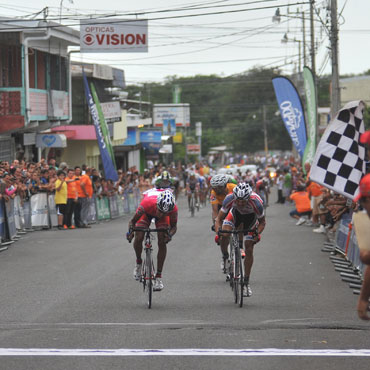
{"type": "Point", "coordinates": [115, 36]}
{"type": "Point", "coordinates": [193, 148]}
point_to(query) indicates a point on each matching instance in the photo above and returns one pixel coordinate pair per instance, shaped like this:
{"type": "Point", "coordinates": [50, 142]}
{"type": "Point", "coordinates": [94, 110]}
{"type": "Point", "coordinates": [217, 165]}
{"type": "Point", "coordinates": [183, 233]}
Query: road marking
{"type": "Point", "coordinates": [124, 352]}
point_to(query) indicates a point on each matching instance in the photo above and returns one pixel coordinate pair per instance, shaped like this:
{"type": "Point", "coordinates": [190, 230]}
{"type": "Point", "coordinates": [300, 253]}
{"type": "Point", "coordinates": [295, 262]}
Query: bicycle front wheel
{"type": "Point", "coordinates": [238, 278]}
{"type": "Point", "coordinates": [149, 276]}
{"type": "Point", "coordinates": [192, 207]}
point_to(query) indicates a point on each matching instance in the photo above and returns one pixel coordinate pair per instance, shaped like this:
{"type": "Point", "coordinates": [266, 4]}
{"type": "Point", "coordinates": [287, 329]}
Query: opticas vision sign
{"type": "Point", "coordinates": [118, 36]}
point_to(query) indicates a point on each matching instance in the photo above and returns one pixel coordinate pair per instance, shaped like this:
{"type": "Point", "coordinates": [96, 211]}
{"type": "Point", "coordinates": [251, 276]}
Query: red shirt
{"type": "Point", "coordinates": [148, 206]}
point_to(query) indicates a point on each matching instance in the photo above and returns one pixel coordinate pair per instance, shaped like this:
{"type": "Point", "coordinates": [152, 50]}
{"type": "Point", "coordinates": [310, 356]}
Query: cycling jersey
{"type": "Point", "coordinates": [202, 181]}
{"type": "Point", "coordinates": [219, 198]}
{"type": "Point", "coordinates": [148, 211]}
{"type": "Point", "coordinates": [193, 183]}
{"type": "Point", "coordinates": [254, 205]}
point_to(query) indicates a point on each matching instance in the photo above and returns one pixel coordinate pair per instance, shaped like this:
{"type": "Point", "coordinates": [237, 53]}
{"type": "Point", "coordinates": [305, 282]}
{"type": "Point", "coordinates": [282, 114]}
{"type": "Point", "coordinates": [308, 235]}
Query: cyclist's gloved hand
{"type": "Point", "coordinates": [255, 236]}
{"type": "Point", "coordinates": [129, 235]}
{"type": "Point", "coordinates": [168, 238]}
{"type": "Point", "coordinates": [217, 239]}
{"type": "Point", "coordinates": [213, 228]}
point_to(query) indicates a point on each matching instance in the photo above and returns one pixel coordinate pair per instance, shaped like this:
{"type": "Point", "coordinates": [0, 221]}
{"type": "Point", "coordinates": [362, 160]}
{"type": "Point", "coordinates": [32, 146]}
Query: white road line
{"type": "Point", "coordinates": [124, 352]}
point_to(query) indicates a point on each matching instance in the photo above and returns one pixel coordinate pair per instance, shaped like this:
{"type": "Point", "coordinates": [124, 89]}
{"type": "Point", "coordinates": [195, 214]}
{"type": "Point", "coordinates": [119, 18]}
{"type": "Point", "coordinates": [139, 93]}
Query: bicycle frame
{"type": "Point", "coordinates": [236, 268]}
{"type": "Point", "coordinates": [148, 270]}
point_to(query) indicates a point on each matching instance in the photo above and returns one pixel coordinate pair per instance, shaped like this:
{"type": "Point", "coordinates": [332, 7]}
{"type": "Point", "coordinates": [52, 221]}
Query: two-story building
{"type": "Point", "coordinates": [35, 90]}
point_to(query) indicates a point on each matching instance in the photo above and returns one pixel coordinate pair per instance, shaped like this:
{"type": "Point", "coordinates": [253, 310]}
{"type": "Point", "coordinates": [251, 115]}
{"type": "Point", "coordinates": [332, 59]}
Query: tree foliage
{"type": "Point", "coordinates": [231, 108]}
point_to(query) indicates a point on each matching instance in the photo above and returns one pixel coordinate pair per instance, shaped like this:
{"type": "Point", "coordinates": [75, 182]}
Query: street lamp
{"type": "Point", "coordinates": [277, 17]}
{"type": "Point", "coordinates": [60, 10]}
{"type": "Point", "coordinates": [285, 40]}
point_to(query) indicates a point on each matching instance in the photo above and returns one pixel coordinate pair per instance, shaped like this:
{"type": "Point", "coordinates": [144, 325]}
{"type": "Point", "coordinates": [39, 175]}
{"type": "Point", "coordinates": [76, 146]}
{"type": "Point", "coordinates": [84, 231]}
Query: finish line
{"type": "Point", "coordinates": [126, 352]}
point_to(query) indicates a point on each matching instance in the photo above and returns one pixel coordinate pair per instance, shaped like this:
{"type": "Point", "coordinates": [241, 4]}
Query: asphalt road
{"type": "Point", "coordinates": [68, 301]}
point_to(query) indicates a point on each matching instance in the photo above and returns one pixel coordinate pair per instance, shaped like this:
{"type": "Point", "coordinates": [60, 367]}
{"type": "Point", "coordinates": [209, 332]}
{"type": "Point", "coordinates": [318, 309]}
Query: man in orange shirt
{"type": "Point", "coordinates": [302, 203]}
{"type": "Point", "coordinates": [87, 189]}
{"type": "Point", "coordinates": [318, 210]}
{"type": "Point", "coordinates": [72, 197]}
{"type": "Point", "coordinates": [83, 185]}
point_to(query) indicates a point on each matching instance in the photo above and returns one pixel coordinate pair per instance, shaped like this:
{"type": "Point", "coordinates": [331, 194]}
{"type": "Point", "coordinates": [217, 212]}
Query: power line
{"type": "Point", "coordinates": [94, 18]}
{"type": "Point", "coordinates": [181, 63]}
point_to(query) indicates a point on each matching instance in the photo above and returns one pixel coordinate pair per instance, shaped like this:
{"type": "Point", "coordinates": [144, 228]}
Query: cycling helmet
{"type": "Point", "coordinates": [218, 180]}
{"type": "Point", "coordinates": [242, 191]}
{"type": "Point", "coordinates": [166, 201]}
{"type": "Point", "coordinates": [165, 176]}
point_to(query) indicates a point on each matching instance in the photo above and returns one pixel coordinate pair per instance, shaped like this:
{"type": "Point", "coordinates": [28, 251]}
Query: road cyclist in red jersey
{"type": "Point", "coordinates": [243, 209]}
{"type": "Point", "coordinates": [159, 205]}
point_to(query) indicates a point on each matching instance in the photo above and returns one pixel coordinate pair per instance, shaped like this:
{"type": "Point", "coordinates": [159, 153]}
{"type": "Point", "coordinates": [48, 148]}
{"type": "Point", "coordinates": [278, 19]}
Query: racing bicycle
{"type": "Point", "coordinates": [147, 277]}
{"type": "Point", "coordinates": [236, 266]}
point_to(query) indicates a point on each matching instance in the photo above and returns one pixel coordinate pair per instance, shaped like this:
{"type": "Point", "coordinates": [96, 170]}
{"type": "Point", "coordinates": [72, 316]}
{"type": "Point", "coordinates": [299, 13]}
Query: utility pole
{"type": "Point", "coordinates": [304, 40]}
{"type": "Point", "coordinates": [335, 89]}
{"type": "Point", "coordinates": [313, 62]}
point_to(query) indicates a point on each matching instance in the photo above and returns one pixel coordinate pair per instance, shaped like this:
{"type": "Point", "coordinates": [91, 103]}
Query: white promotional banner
{"type": "Point", "coordinates": [114, 36]}
{"type": "Point", "coordinates": [39, 207]}
{"type": "Point", "coordinates": [178, 112]}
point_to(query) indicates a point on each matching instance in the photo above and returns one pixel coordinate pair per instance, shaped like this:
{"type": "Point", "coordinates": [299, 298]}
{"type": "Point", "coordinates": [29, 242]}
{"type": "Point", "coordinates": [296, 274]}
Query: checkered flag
{"type": "Point", "coordinates": [339, 162]}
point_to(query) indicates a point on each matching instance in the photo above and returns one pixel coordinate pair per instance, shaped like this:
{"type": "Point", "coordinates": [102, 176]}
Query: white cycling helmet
{"type": "Point", "coordinates": [166, 201]}
{"type": "Point", "coordinates": [218, 180]}
{"type": "Point", "coordinates": [242, 191]}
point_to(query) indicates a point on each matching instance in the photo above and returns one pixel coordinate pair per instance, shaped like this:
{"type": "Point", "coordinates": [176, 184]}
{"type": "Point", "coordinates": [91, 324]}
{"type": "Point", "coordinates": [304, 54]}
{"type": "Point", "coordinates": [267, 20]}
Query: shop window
{"type": "Point", "coordinates": [10, 66]}
{"type": "Point", "coordinates": [31, 67]}
{"type": "Point", "coordinates": [41, 70]}
{"type": "Point", "coordinates": [58, 73]}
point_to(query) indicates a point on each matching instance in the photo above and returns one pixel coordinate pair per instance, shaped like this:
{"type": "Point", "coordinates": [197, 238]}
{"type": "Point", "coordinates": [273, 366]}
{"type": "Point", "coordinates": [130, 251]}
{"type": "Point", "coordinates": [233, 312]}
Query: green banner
{"type": "Point", "coordinates": [311, 106]}
{"type": "Point", "coordinates": [103, 124]}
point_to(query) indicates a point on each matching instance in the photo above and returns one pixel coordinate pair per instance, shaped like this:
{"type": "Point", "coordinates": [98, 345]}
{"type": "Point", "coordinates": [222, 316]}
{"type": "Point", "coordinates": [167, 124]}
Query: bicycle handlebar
{"type": "Point", "coordinates": [234, 231]}
{"type": "Point", "coordinates": [149, 230]}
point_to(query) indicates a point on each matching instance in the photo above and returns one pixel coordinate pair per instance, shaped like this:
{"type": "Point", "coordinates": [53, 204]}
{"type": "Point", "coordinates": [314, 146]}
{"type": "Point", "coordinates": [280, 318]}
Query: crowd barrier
{"type": "Point", "coordinates": [346, 243]}
{"type": "Point", "coordinates": [39, 212]}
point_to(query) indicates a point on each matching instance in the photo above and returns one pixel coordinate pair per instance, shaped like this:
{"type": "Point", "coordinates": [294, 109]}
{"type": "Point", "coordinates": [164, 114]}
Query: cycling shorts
{"type": "Point", "coordinates": [235, 219]}
{"type": "Point", "coordinates": [160, 223]}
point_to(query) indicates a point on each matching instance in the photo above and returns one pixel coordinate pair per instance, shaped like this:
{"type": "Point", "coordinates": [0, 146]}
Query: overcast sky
{"type": "Point", "coordinates": [222, 44]}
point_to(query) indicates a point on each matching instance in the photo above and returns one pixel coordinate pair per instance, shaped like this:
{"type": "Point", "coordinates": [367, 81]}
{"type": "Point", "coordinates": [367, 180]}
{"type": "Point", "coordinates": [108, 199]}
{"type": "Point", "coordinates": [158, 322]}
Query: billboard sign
{"type": "Point", "coordinates": [193, 148]}
{"type": "Point", "coordinates": [169, 127]}
{"type": "Point", "coordinates": [150, 136]}
{"type": "Point", "coordinates": [113, 36]}
{"type": "Point", "coordinates": [111, 111]}
{"type": "Point", "coordinates": [180, 113]}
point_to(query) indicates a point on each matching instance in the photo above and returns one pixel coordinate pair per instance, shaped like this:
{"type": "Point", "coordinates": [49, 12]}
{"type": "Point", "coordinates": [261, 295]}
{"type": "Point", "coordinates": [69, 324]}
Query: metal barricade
{"type": "Point", "coordinates": [113, 206]}
{"type": "Point", "coordinates": [18, 213]}
{"type": "Point", "coordinates": [91, 213]}
{"type": "Point", "coordinates": [10, 220]}
{"type": "Point", "coordinates": [53, 218]}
